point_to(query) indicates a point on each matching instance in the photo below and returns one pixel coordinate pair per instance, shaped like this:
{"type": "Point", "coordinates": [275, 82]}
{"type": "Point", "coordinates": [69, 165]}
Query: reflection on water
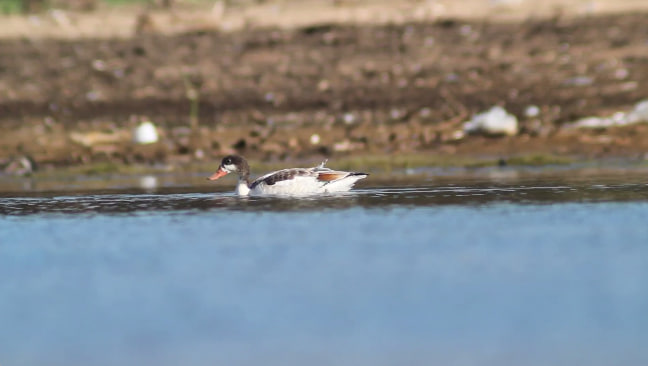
{"type": "Point", "coordinates": [530, 273]}
{"type": "Point", "coordinates": [380, 198]}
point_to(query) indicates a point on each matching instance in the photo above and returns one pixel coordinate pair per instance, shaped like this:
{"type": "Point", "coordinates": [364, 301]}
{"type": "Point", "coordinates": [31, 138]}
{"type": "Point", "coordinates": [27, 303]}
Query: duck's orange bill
{"type": "Point", "coordinates": [219, 173]}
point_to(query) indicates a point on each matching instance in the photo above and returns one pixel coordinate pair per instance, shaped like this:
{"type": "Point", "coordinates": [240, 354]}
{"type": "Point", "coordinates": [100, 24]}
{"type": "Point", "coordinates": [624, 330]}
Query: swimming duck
{"type": "Point", "coordinates": [287, 182]}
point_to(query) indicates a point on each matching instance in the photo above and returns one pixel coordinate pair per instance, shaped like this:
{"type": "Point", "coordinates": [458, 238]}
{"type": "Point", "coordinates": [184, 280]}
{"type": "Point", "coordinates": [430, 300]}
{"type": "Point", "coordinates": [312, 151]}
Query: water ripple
{"type": "Point", "coordinates": [381, 197]}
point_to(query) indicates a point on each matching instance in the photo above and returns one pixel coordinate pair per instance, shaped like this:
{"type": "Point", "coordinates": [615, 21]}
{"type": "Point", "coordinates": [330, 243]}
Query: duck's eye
{"type": "Point", "coordinates": [228, 161]}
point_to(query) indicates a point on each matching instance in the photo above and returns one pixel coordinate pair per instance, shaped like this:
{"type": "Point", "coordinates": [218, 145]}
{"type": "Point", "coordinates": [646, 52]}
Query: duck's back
{"type": "Point", "coordinates": [304, 181]}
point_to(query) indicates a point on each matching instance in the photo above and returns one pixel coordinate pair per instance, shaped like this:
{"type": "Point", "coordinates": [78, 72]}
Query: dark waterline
{"type": "Point", "coordinates": [407, 196]}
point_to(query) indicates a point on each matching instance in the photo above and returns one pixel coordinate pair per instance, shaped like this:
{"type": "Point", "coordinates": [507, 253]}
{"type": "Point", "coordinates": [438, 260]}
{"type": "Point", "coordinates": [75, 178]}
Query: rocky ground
{"type": "Point", "coordinates": [329, 89]}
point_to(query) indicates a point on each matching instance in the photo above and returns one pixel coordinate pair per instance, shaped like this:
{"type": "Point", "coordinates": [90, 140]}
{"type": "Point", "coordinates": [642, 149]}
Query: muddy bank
{"type": "Point", "coordinates": [325, 90]}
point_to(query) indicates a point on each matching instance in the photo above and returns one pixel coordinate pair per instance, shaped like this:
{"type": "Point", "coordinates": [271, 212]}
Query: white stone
{"type": "Point", "coordinates": [495, 121]}
{"type": "Point", "coordinates": [145, 133]}
{"type": "Point", "coordinates": [148, 182]}
{"type": "Point", "coordinates": [639, 114]}
{"type": "Point", "coordinates": [532, 111]}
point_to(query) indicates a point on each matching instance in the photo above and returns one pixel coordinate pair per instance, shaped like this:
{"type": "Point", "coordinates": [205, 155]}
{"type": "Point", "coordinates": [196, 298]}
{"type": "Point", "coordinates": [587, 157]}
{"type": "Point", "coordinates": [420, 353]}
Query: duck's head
{"type": "Point", "coordinates": [232, 164]}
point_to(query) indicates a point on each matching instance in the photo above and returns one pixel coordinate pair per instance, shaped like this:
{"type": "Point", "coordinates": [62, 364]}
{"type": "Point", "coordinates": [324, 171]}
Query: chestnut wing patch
{"type": "Point", "coordinates": [331, 176]}
{"type": "Point", "coordinates": [279, 176]}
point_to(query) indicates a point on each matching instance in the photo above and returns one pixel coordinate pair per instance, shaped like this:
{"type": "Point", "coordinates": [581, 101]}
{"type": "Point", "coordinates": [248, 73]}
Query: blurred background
{"type": "Point", "coordinates": [127, 86]}
{"type": "Point", "coordinates": [504, 221]}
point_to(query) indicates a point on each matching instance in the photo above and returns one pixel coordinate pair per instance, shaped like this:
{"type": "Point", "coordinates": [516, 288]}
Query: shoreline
{"type": "Point", "coordinates": [384, 172]}
{"type": "Point", "coordinates": [337, 91]}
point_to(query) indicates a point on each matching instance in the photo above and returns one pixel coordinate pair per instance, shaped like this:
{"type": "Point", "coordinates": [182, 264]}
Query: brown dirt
{"type": "Point", "coordinates": [363, 89]}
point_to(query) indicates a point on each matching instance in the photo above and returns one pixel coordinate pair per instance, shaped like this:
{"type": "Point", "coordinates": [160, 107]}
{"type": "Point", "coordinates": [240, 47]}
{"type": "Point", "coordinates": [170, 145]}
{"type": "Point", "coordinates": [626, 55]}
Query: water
{"type": "Point", "coordinates": [481, 273]}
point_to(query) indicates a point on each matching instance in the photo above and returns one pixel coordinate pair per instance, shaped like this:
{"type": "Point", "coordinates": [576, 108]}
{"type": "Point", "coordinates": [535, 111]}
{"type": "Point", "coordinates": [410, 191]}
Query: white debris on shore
{"type": "Point", "coordinates": [639, 114]}
{"type": "Point", "coordinates": [145, 133]}
{"type": "Point", "coordinates": [21, 166]}
{"type": "Point", "coordinates": [532, 111]}
{"type": "Point", "coordinates": [494, 122]}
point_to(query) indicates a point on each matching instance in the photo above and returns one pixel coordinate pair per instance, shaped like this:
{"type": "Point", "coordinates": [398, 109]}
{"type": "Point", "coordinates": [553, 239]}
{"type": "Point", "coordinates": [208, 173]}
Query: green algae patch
{"type": "Point", "coordinates": [388, 163]}
{"type": "Point", "coordinates": [540, 160]}
{"type": "Point", "coordinates": [364, 163]}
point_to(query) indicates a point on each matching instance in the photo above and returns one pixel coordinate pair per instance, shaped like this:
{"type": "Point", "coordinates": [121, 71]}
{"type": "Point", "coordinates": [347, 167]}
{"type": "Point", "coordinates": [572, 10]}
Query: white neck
{"type": "Point", "coordinates": [242, 188]}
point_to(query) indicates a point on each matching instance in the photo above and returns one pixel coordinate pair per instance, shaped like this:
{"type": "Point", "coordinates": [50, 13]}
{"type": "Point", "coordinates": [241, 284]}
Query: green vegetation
{"type": "Point", "coordinates": [379, 164]}
{"type": "Point", "coordinates": [18, 6]}
{"type": "Point", "coordinates": [539, 160]}
{"type": "Point", "coordinates": [10, 6]}
{"type": "Point", "coordinates": [96, 169]}
{"type": "Point", "coordinates": [388, 163]}
{"type": "Point", "coordinates": [125, 2]}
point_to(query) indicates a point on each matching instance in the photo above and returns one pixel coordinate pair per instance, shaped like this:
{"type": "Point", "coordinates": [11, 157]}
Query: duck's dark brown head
{"type": "Point", "coordinates": [232, 164]}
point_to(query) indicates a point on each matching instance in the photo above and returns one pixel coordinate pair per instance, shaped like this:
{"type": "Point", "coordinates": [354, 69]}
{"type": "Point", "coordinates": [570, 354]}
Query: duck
{"type": "Point", "coordinates": [287, 182]}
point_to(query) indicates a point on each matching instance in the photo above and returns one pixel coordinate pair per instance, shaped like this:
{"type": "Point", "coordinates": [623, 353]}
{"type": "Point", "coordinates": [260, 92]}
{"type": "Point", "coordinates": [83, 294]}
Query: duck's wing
{"type": "Point", "coordinates": [328, 175]}
{"type": "Point", "coordinates": [332, 175]}
{"type": "Point", "coordinates": [284, 175]}
{"type": "Point", "coordinates": [288, 176]}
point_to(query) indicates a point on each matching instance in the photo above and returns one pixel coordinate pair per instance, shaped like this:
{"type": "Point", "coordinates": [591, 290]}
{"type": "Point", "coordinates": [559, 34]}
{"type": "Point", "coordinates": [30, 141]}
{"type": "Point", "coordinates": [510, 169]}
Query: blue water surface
{"type": "Point", "coordinates": [411, 276]}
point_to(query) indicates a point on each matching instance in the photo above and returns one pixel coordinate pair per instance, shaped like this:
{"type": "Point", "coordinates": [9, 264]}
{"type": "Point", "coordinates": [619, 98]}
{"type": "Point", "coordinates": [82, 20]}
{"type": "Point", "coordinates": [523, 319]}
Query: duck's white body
{"type": "Point", "coordinates": [303, 182]}
{"type": "Point", "coordinates": [288, 182]}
